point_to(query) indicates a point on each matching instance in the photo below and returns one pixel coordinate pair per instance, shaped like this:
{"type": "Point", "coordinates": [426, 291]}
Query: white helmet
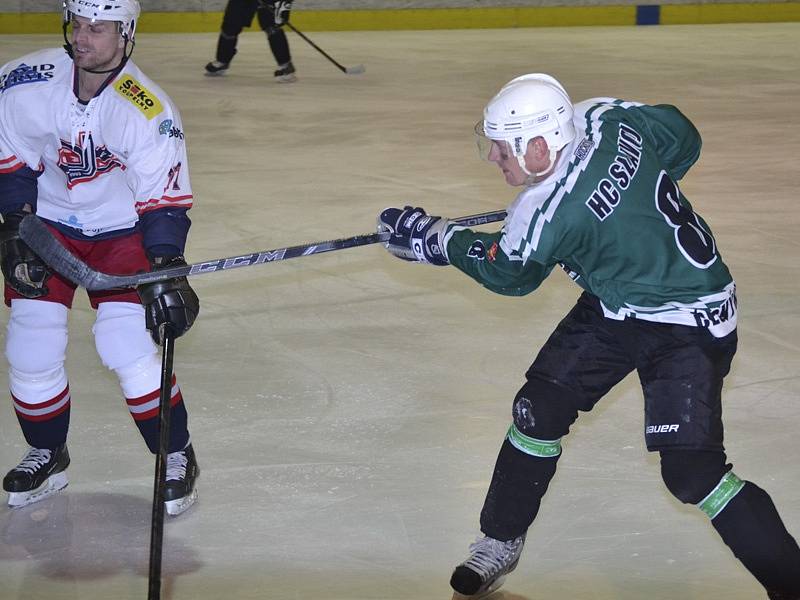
{"type": "Point", "coordinates": [527, 107]}
{"type": "Point", "coordinates": [126, 12]}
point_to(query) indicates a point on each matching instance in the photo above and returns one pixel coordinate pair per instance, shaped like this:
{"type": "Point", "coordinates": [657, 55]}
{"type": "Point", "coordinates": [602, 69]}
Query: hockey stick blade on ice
{"type": "Point", "coordinates": [355, 70]}
{"type": "Point", "coordinates": [36, 234]}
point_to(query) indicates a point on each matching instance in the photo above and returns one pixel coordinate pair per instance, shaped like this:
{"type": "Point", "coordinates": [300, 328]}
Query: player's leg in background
{"type": "Point", "coordinates": [682, 382]}
{"type": "Point", "coordinates": [577, 366]}
{"type": "Point", "coordinates": [238, 15]}
{"type": "Point", "coordinates": [278, 43]}
{"type": "Point", "coordinates": [36, 349]}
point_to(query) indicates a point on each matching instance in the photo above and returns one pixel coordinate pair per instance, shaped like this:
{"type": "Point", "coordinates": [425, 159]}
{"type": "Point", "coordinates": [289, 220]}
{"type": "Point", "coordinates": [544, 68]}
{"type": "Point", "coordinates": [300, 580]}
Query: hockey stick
{"type": "Point", "coordinates": [348, 70]}
{"type": "Point", "coordinates": [36, 234]}
{"type": "Point", "coordinates": [157, 520]}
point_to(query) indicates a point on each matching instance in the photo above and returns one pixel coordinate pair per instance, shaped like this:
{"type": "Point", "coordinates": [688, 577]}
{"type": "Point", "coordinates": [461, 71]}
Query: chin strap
{"type": "Point", "coordinates": [531, 176]}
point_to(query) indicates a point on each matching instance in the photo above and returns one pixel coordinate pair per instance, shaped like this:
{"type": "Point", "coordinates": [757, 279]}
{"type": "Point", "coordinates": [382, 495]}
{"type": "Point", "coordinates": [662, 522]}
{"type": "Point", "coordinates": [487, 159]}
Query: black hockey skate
{"type": "Point", "coordinates": [40, 473]}
{"type": "Point", "coordinates": [781, 596]}
{"type": "Point", "coordinates": [216, 67]}
{"type": "Point", "coordinates": [179, 491]}
{"type": "Point", "coordinates": [285, 74]}
{"type": "Point", "coordinates": [485, 570]}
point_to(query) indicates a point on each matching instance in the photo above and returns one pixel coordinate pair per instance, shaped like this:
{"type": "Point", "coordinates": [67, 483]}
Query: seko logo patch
{"type": "Point", "coordinates": [139, 96]}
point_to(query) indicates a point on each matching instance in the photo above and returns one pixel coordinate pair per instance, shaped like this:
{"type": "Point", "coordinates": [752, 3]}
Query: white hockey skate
{"type": "Point", "coordinates": [179, 491]}
{"type": "Point", "coordinates": [485, 569]}
{"type": "Point", "coordinates": [40, 473]}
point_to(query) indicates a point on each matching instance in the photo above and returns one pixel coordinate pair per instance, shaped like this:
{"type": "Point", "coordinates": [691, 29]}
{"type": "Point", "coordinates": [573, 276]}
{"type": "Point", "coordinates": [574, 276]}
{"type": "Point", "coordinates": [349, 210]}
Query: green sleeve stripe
{"type": "Point", "coordinates": [718, 499]}
{"type": "Point", "coordinates": [532, 446]}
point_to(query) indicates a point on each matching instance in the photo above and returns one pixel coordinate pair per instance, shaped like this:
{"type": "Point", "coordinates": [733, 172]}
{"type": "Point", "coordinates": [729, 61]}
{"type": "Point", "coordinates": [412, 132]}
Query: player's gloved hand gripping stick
{"type": "Point", "coordinates": [36, 234]}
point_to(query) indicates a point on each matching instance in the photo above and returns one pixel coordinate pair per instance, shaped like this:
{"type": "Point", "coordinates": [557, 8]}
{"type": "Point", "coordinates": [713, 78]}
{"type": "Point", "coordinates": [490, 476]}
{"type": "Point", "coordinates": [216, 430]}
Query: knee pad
{"type": "Point", "coordinates": [273, 30]}
{"type": "Point", "coordinates": [691, 475]}
{"type": "Point", "coordinates": [36, 348]}
{"type": "Point", "coordinates": [542, 414]}
{"type": "Point", "coordinates": [125, 346]}
{"type": "Point", "coordinates": [543, 410]}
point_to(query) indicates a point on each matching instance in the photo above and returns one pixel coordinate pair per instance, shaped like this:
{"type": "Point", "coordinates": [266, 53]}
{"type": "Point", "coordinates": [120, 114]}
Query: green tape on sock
{"type": "Point", "coordinates": [718, 499]}
{"type": "Point", "coordinates": [532, 446]}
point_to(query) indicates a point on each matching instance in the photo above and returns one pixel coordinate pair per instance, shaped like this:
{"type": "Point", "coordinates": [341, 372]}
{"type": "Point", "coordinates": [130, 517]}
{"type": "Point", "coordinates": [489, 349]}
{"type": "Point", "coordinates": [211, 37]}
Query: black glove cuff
{"type": "Point", "coordinates": [9, 228]}
{"type": "Point", "coordinates": [159, 263]}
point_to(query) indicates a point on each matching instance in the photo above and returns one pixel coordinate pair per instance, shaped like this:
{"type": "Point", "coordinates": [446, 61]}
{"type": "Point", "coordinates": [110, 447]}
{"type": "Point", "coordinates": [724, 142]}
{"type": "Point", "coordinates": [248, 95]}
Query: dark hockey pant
{"type": "Point", "coordinates": [681, 370]}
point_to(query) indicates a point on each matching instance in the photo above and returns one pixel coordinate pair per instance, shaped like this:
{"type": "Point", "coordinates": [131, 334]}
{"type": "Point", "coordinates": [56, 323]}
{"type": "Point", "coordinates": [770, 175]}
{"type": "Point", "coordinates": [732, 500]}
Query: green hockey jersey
{"type": "Point", "coordinates": [613, 217]}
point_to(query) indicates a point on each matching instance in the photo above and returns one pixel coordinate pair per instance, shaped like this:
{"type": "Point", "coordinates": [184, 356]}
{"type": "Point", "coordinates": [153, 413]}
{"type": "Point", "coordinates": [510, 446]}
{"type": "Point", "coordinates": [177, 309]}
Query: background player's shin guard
{"type": "Point", "coordinates": [226, 47]}
{"type": "Point", "coordinates": [753, 530]}
{"type": "Point", "coordinates": [279, 45]}
{"type": "Point", "coordinates": [518, 484]}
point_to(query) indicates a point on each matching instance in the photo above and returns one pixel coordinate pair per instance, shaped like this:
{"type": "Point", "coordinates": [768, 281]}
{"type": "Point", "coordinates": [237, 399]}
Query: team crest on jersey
{"type": "Point", "coordinates": [84, 161]}
{"type": "Point", "coordinates": [26, 74]}
{"type": "Point", "coordinates": [477, 250]}
{"type": "Point", "coordinates": [139, 96]}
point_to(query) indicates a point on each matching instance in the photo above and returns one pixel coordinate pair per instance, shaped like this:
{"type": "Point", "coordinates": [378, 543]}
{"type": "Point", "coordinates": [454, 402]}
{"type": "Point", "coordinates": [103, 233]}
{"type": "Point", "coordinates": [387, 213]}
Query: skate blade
{"type": "Point", "coordinates": [286, 78]}
{"type": "Point", "coordinates": [54, 483]}
{"type": "Point", "coordinates": [495, 585]}
{"type": "Point", "coordinates": [181, 505]}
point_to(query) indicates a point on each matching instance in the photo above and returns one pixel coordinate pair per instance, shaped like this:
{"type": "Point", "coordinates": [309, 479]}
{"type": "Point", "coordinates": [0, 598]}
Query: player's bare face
{"type": "Point", "coordinates": [98, 45]}
{"type": "Point", "coordinates": [501, 155]}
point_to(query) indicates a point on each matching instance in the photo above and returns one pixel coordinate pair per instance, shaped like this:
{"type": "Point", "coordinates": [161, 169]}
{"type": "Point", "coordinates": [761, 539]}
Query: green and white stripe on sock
{"type": "Point", "coordinates": [532, 446]}
{"type": "Point", "coordinates": [718, 499]}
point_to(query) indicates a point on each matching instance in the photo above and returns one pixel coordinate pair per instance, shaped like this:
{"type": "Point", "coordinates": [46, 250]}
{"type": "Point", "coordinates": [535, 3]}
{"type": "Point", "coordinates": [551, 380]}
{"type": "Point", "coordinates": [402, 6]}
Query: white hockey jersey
{"type": "Point", "coordinates": [103, 164]}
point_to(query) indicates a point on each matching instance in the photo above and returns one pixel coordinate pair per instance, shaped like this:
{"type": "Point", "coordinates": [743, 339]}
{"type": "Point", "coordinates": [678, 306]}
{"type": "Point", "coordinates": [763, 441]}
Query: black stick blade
{"type": "Point", "coordinates": [41, 240]}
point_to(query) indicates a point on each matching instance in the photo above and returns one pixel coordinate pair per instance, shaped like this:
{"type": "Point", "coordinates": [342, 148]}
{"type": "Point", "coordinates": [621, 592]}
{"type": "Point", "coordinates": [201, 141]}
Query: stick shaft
{"type": "Point", "coordinates": [36, 234]}
{"type": "Point", "coordinates": [160, 479]}
{"type": "Point", "coordinates": [342, 68]}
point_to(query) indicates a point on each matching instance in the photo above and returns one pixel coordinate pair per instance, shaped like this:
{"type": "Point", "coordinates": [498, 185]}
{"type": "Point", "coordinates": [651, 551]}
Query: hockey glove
{"type": "Point", "coordinates": [23, 270]}
{"type": "Point", "coordinates": [416, 236]}
{"type": "Point", "coordinates": [171, 303]}
{"type": "Point", "coordinates": [281, 10]}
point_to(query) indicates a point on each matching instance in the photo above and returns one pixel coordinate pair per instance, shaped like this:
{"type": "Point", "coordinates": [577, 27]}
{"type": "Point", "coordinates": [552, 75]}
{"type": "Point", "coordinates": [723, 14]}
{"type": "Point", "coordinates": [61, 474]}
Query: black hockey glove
{"type": "Point", "coordinates": [23, 270]}
{"type": "Point", "coordinates": [417, 236]}
{"type": "Point", "coordinates": [171, 303]}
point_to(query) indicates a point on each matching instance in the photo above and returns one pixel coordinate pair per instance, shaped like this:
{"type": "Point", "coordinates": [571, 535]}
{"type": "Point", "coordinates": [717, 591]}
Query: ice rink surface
{"type": "Point", "coordinates": [347, 408]}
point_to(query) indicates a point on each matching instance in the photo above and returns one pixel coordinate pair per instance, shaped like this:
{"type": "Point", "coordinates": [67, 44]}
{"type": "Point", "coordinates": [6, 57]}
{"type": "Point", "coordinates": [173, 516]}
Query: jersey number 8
{"type": "Point", "coordinates": [695, 242]}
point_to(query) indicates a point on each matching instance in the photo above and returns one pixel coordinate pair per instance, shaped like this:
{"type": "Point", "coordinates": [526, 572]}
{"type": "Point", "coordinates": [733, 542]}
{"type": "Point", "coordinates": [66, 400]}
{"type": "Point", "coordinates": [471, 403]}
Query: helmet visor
{"type": "Point", "coordinates": [489, 149]}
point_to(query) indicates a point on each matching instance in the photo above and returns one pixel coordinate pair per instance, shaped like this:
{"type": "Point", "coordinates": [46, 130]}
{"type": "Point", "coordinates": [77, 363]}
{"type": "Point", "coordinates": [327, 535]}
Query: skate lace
{"type": "Point", "coordinates": [490, 556]}
{"type": "Point", "coordinates": [176, 465]}
{"type": "Point", "coordinates": [34, 460]}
